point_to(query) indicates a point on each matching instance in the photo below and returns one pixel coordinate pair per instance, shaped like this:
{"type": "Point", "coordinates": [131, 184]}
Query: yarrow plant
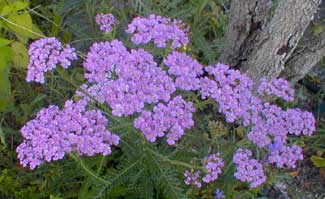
{"type": "Point", "coordinates": [131, 84]}
{"type": "Point", "coordinates": [158, 29]}
{"type": "Point", "coordinates": [45, 54]}
{"type": "Point", "coordinates": [105, 21]}
{"type": "Point", "coordinates": [55, 132]}
{"type": "Point", "coordinates": [248, 170]}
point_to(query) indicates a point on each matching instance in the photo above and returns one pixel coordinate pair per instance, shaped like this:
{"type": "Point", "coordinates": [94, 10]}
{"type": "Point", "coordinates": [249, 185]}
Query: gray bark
{"type": "Point", "coordinates": [263, 41]}
{"type": "Point", "coordinates": [304, 58]}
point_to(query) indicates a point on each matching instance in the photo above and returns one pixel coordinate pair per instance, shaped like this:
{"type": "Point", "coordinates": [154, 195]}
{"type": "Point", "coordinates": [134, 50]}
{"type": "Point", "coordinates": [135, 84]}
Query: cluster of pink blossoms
{"type": "Point", "coordinates": [284, 156]}
{"type": "Point", "coordinates": [125, 80]}
{"type": "Point", "coordinates": [248, 170]}
{"type": "Point", "coordinates": [233, 92]}
{"type": "Point", "coordinates": [193, 178]}
{"type": "Point", "coordinates": [159, 29]}
{"type": "Point", "coordinates": [105, 21]}
{"type": "Point", "coordinates": [175, 118]}
{"type": "Point", "coordinates": [278, 87]}
{"type": "Point", "coordinates": [55, 132]}
{"type": "Point", "coordinates": [212, 166]}
{"type": "Point", "coordinates": [45, 54]}
{"type": "Point", "coordinates": [186, 69]}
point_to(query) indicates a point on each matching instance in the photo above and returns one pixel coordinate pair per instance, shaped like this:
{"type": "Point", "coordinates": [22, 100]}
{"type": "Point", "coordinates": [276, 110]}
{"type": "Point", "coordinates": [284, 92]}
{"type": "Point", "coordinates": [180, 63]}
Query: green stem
{"type": "Point", "coordinates": [173, 162]}
{"type": "Point", "coordinates": [101, 165]}
{"type": "Point", "coordinates": [87, 170]}
{"type": "Point", "coordinates": [202, 103]}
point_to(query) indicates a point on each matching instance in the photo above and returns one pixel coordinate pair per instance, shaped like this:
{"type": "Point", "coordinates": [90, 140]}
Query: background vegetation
{"type": "Point", "coordinates": [152, 174]}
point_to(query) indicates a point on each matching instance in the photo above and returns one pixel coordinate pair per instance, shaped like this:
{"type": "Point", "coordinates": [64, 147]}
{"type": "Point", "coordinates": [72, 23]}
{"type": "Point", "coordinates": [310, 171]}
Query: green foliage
{"type": "Point", "coordinates": [15, 30]}
{"type": "Point", "coordinates": [318, 161]}
{"type": "Point", "coordinates": [136, 169]}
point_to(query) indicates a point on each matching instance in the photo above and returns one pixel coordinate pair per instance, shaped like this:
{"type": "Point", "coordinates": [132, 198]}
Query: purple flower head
{"type": "Point", "coordinates": [231, 90]}
{"type": "Point", "coordinates": [158, 29]}
{"type": "Point", "coordinates": [219, 194]}
{"type": "Point", "coordinates": [186, 70]}
{"type": "Point", "coordinates": [248, 170]}
{"type": "Point", "coordinates": [275, 146]}
{"type": "Point", "coordinates": [44, 55]}
{"type": "Point", "coordinates": [213, 164]}
{"type": "Point", "coordinates": [102, 58]}
{"type": "Point", "coordinates": [173, 119]}
{"type": "Point", "coordinates": [54, 132]}
{"type": "Point", "coordinates": [105, 21]}
{"type": "Point", "coordinates": [193, 178]}
{"type": "Point", "coordinates": [286, 156]}
{"type": "Point", "coordinates": [125, 80]}
{"type": "Point", "coordinates": [278, 87]}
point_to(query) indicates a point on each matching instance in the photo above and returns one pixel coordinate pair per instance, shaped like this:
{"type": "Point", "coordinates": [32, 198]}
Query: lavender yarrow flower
{"type": "Point", "coordinates": [54, 132]}
{"type": "Point", "coordinates": [193, 178]}
{"type": "Point", "coordinates": [213, 164]}
{"type": "Point", "coordinates": [105, 21]}
{"type": "Point", "coordinates": [248, 170]}
{"type": "Point", "coordinates": [285, 156]}
{"type": "Point", "coordinates": [219, 194]}
{"type": "Point", "coordinates": [137, 80]}
{"type": "Point", "coordinates": [185, 68]}
{"type": "Point", "coordinates": [233, 92]}
{"type": "Point", "coordinates": [102, 58]}
{"type": "Point", "coordinates": [300, 122]}
{"type": "Point", "coordinates": [44, 55]}
{"type": "Point", "coordinates": [174, 118]}
{"type": "Point", "coordinates": [278, 87]}
{"type": "Point", "coordinates": [159, 29]}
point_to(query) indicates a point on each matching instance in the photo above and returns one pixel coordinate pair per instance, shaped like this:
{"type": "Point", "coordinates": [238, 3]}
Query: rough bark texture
{"type": "Point", "coordinates": [246, 19]}
{"type": "Point", "coordinates": [263, 41]}
{"type": "Point", "coordinates": [312, 51]}
{"type": "Point", "coordinates": [302, 60]}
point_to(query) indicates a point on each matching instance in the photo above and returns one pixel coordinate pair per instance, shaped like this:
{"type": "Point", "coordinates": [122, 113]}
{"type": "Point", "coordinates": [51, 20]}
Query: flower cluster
{"type": "Point", "coordinates": [278, 87]}
{"type": "Point", "coordinates": [284, 155]}
{"type": "Point", "coordinates": [128, 80]}
{"type": "Point", "coordinates": [275, 122]}
{"type": "Point", "coordinates": [105, 21]}
{"type": "Point", "coordinates": [248, 170]}
{"type": "Point", "coordinates": [159, 29]}
{"type": "Point", "coordinates": [193, 178]}
{"type": "Point", "coordinates": [44, 55]}
{"type": "Point", "coordinates": [219, 194]}
{"type": "Point", "coordinates": [54, 132]}
{"type": "Point", "coordinates": [231, 90]}
{"type": "Point", "coordinates": [213, 164]}
{"type": "Point", "coordinates": [174, 118]}
{"type": "Point", "coordinates": [125, 80]}
{"type": "Point", "coordinates": [185, 68]}
{"type": "Point", "coordinates": [102, 58]}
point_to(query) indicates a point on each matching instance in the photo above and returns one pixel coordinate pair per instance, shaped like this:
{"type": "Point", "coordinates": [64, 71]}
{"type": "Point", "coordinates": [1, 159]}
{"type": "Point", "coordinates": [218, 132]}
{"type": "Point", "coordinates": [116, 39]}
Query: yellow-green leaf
{"type": "Point", "coordinates": [3, 3]}
{"type": "Point", "coordinates": [38, 32]}
{"type": "Point", "coordinates": [4, 42]}
{"type": "Point", "coordinates": [6, 54]}
{"type": "Point", "coordinates": [21, 24]}
{"type": "Point", "coordinates": [14, 7]}
{"type": "Point", "coordinates": [318, 161]}
{"type": "Point", "coordinates": [20, 54]}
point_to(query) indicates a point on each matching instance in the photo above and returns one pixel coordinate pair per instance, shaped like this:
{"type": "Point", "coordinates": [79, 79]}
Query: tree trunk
{"type": "Point", "coordinates": [262, 38]}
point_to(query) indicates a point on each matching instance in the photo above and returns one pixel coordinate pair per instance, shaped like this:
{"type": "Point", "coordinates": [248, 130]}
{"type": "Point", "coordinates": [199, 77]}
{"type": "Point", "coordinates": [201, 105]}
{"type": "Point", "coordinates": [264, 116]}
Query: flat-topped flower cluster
{"type": "Point", "coordinates": [127, 81]}
{"type": "Point", "coordinates": [55, 132]}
